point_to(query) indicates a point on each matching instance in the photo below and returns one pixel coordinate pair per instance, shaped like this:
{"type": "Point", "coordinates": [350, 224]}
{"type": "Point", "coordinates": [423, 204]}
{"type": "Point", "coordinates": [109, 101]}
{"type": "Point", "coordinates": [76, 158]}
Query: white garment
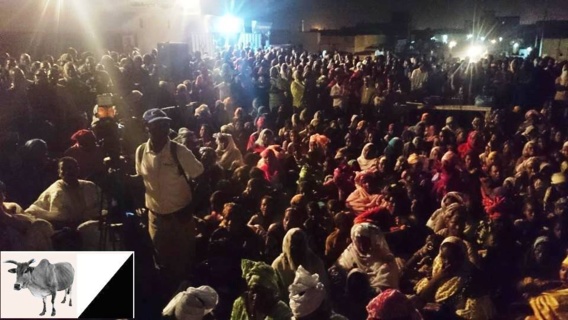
{"type": "Point", "coordinates": [166, 190]}
{"type": "Point", "coordinates": [418, 79]}
{"type": "Point", "coordinates": [336, 90]}
{"type": "Point", "coordinates": [57, 204]}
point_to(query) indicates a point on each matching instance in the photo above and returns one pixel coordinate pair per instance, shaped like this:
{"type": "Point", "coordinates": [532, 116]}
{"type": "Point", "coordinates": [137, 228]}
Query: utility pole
{"type": "Point", "coordinates": [543, 26]}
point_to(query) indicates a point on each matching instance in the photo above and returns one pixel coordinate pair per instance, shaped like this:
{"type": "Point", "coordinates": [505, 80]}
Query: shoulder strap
{"type": "Point", "coordinates": [140, 152]}
{"type": "Point", "coordinates": [173, 150]}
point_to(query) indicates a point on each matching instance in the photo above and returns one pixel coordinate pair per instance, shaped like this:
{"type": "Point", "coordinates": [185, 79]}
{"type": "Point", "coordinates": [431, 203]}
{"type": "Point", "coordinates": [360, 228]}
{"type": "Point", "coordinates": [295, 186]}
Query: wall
{"type": "Point", "coordinates": [308, 40]}
{"type": "Point", "coordinates": [556, 48]}
{"type": "Point", "coordinates": [365, 41]}
{"type": "Point", "coordinates": [339, 43]}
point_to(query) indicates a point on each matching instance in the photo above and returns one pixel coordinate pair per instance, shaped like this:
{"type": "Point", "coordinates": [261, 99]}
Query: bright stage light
{"type": "Point", "coordinates": [529, 49]}
{"type": "Point", "coordinates": [500, 39]}
{"type": "Point", "coordinates": [494, 41]}
{"type": "Point", "coordinates": [482, 38]}
{"type": "Point", "coordinates": [469, 36]}
{"type": "Point", "coordinates": [452, 44]}
{"type": "Point", "coordinates": [475, 52]}
{"type": "Point", "coordinates": [516, 45]}
{"type": "Point", "coordinates": [445, 38]}
{"type": "Point", "coordinates": [229, 25]}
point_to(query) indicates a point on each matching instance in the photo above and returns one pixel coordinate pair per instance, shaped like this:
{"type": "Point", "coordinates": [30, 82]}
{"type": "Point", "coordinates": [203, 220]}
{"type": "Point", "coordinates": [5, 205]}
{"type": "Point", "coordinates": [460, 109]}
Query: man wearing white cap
{"type": "Point", "coordinates": [166, 168]}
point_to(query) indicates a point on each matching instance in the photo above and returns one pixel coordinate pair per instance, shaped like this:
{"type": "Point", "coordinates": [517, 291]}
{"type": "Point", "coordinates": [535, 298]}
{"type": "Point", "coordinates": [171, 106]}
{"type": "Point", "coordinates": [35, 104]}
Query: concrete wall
{"type": "Point", "coordinates": [364, 41]}
{"type": "Point", "coordinates": [310, 41]}
{"type": "Point", "coordinates": [556, 48]}
{"type": "Point", "coordinates": [339, 43]}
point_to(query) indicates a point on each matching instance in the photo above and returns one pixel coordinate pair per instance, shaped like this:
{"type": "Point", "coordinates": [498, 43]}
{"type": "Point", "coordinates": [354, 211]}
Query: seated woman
{"type": "Point", "coordinates": [261, 221]}
{"type": "Point", "coordinates": [308, 298]}
{"type": "Point", "coordinates": [455, 222]}
{"type": "Point", "coordinates": [452, 286]}
{"type": "Point", "coordinates": [362, 199]}
{"type": "Point", "coordinates": [390, 305]}
{"type": "Point", "coordinates": [548, 299]}
{"type": "Point", "coordinates": [68, 202]}
{"type": "Point", "coordinates": [260, 300]}
{"type": "Point", "coordinates": [19, 231]}
{"type": "Point", "coordinates": [437, 220]}
{"type": "Point", "coordinates": [233, 229]}
{"type": "Point", "coordinates": [370, 252]}
{"type": "Point", "coordinates": [296, 253]}
{"type": "Point", "coordinates": [368, 159]}
{"type": "Point", "coordinates": [227, 151]}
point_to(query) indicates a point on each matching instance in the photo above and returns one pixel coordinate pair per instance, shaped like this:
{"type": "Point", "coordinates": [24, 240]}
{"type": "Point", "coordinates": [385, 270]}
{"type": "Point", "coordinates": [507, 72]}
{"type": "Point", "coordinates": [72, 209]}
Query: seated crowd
{"type": "Point", "coordinates": [316, 193]}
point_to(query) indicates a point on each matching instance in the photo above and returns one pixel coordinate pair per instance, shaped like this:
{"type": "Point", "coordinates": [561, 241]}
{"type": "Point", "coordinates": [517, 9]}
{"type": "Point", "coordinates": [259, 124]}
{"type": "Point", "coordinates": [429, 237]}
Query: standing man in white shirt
{"type": "Point", "coordinates": [166, 168]}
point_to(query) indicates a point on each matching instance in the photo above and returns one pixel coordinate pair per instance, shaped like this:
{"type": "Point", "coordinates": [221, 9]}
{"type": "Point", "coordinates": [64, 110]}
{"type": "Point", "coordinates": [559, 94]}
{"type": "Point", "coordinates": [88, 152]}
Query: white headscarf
{"type": "Point", "coordinates": [306, 293]}
{"type": "Point", "coordinates": [230, 154]}
{"type": "Point", "coordinates": [364, 163]}
{"type": "Point", "coordinates": [192, 304]}
{"type": "Point", "coordinates": [379, 264]}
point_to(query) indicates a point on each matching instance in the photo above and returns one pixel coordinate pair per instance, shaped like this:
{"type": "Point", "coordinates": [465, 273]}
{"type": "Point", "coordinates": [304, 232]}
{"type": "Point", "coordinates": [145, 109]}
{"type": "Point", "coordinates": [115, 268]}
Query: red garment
{"type": "Point", "coordinates": [469, 145]}
{"type": "Point", "coordinates": [379, 216]}
{"type": "Point", "coordinates": [392, 304]}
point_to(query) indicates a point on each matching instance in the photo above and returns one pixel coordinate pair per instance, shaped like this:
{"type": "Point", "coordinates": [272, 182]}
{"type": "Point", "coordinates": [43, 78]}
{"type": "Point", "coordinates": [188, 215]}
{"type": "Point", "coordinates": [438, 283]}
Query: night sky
{"type": "Point", "coordinates": [426, 13]}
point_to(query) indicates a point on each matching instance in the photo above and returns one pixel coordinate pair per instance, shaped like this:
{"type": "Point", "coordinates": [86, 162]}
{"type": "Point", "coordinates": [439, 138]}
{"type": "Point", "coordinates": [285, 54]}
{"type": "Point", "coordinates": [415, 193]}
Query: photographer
{"type": "Point", "coordinates": [166, 167]}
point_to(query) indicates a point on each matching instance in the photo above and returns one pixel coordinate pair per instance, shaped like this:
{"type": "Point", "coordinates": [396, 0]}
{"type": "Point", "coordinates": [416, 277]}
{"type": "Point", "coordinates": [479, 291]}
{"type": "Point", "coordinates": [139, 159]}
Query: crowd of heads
{"type": "Point", "coordinates": [324, 191]}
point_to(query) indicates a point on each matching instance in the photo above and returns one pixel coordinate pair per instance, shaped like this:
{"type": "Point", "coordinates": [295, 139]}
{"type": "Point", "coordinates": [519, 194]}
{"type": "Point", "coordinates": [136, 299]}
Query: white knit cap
{"type": "Point", "coordinates": [306, 293]}
{"type": "Point", "coordinates": [192, 304]}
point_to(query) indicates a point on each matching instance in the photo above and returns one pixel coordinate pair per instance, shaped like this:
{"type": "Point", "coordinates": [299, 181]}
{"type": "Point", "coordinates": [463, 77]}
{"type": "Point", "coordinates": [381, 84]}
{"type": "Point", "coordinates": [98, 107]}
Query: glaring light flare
{"type": "Point", "coordinates": [229, 24]}
{"type": "Point", "coordinates": [452, 44]}
{"type": "Point", "coordinates": [475, 52]}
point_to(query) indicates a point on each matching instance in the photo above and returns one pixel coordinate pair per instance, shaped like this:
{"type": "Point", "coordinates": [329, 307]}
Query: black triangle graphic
{"type": "Point", "coordinates": [115, 300]}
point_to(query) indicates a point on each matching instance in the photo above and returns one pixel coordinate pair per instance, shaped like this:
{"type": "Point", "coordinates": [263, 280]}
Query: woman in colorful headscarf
{"type": "Point", "coordinates": [227, 151]}
{"type": "Point", "coordinates": [368, 158]}
{"type": "Point", "coordinates": [279, 89]}
{"type": "Point", "coordinates": [393, 151]}
{"type": "Point", "coordinates": [88, 155]}
{"type": "Point", "coordinates": [436, 221]}
{"type": "Point", "coordinates": [449, 178]}
{"type": "Point", "coordinates": [474, 144]}
{"type": "Point", "coordinates": [295, 253]}
{"type": "Point", "coordinates": [362, 199]}
{"type": "Point", "coordinates": [370, 252]}
{"type": "Point", "coordinates": [452, 284]}
{"type": "Point", "coordinates": [318, 142]}
{"type": "Point", "coordinates": [265, 139]}
{"type": "Point", "coordinates": [308, 298]}
{"type": "Point", "coordinates": [260, 301]}
{"type": "Point", "coordinates": [392, 305]}
{"type": "Point", "coordinates": [549, 299]}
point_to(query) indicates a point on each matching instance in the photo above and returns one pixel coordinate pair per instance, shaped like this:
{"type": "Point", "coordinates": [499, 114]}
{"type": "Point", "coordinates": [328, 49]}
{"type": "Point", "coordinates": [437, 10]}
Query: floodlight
{"type": "Point", "coordinates": [445, 38]}
{"type": "Point", "coordinates": [469, 36]}
{"type": "Point", "coordinates": [475, 52]}
{"type": "Point", "coordinates": [516, 45]}
{"type": "Point", "coordinates": [229, 24]}
{"type": "Point", "coordinates": [452, 44]}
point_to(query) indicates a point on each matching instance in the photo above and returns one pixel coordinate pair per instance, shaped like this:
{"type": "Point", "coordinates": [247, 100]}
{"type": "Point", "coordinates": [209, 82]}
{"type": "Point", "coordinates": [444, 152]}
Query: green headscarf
{"type": "Point", "coordinates": [259, 273]}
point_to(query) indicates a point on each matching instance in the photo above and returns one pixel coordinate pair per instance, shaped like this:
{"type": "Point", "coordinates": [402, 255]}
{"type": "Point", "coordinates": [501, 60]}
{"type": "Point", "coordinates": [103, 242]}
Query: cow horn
{"type": "Point", "coordinates": [31, 261]}
{"type": "Point", "coordinates": [11, 261]}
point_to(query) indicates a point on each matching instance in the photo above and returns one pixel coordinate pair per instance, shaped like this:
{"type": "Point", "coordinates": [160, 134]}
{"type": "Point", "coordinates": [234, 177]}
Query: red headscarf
{"type": "Point", "coordinates": [391, 304]}
{"type": "Point", "coordinates": [469, 145]}
{"type": "Point", "coordinates": [84, 138]}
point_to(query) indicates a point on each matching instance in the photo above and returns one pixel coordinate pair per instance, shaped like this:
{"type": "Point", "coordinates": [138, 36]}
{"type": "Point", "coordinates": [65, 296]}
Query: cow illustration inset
{"type": "Point", "coordinates": [44, 280]}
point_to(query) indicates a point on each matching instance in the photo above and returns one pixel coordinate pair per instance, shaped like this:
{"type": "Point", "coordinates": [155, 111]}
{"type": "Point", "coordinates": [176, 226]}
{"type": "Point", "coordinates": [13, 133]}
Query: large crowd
{"type": "Point", "coordinates": [278, 184]}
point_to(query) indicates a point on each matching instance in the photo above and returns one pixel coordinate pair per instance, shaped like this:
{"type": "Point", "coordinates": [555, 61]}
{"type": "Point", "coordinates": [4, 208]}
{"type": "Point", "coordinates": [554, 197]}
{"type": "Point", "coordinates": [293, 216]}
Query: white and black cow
{"type": "Point", "coordinates": [44, 280]}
